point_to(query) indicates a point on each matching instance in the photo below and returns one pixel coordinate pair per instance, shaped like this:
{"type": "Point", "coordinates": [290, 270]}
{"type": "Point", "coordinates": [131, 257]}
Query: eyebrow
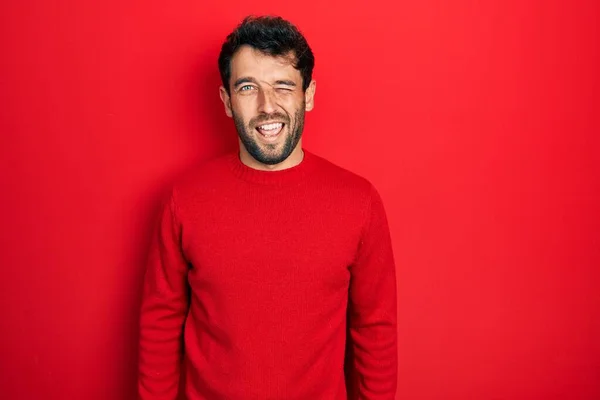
{"type": "Point", "coordinates": [244, 80]}
{"type": "Point", "coordinates": [285, 82]}
{"type": "Point", "coordinates": [248, 79]}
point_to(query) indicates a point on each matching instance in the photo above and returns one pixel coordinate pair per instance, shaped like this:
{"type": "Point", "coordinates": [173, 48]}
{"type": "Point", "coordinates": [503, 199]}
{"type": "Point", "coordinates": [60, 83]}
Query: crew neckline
{"type": "Point", "coordinates": [279, 177]}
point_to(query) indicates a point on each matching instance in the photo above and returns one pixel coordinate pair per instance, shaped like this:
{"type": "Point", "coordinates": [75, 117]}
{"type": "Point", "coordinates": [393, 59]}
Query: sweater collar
{"type": "Point", "coordinates": [281, 177]}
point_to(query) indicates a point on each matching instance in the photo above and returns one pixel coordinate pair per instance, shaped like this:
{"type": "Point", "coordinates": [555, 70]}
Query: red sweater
{"type": "Point", "coordinates": [255, 279]}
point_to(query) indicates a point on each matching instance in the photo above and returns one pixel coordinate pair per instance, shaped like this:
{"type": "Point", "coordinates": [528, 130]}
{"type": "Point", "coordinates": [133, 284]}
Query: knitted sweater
{"type": "Point", "coordinates": [270, 285]}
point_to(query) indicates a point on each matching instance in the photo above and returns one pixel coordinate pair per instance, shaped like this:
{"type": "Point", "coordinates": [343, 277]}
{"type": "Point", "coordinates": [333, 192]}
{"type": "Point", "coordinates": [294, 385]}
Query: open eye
{"type": "Point", "coordinates": [245, 88]}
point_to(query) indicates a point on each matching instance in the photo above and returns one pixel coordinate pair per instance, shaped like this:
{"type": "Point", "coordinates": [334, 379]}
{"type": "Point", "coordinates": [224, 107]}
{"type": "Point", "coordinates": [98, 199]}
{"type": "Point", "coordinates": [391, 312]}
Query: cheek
{"type": "Point", "coordinates": [243, 110]}
{"type": "Point", "coordinates": [295, 111]}
{"type": "Point", "coordinates": [290, 104]}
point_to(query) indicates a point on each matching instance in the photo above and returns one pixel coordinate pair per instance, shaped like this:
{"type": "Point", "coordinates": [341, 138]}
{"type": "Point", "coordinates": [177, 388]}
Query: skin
{"type": "Point", "coordinates": [264, 89]}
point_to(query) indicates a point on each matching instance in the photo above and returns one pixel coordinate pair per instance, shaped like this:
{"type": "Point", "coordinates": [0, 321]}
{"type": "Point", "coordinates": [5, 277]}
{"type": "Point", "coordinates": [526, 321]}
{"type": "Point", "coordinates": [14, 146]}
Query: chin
{"type": "Point", "coordinates": [271, 159]}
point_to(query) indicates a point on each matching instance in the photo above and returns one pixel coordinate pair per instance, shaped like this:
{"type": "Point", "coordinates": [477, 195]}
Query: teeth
{"type": "Point", "coordinates": [270, 127]}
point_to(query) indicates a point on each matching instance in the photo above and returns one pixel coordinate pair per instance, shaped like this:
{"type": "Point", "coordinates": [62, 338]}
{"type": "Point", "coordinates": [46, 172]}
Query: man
{"type": "Point", "coordinates": [271, 275]}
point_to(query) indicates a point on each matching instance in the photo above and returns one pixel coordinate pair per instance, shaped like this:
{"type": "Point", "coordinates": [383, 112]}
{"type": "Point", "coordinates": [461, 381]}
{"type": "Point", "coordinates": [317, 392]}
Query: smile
{"type": "Point", "coordinates": [270, 131]}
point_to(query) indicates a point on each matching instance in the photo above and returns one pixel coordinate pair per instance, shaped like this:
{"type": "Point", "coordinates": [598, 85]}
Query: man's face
{"type": "Point", "coordinates": [267, 104]}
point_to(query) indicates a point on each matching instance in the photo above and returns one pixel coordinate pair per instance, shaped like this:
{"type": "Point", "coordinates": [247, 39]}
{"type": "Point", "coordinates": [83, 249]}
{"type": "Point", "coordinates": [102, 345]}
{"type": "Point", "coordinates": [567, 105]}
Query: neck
{"type": "Point", "coordinates": [294, 159]}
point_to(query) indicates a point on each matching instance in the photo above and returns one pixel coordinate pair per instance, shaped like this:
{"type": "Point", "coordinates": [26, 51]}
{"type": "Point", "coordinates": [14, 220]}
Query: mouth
{"type": "Point", "coordinates": [270, 131]}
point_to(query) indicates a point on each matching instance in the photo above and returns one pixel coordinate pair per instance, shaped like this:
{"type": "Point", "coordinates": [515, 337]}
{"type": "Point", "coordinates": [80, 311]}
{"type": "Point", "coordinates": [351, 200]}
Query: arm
{"type": "Point", "coordinates": [372, 310]}
{"type": "Point", "coordinates": [163, 311]}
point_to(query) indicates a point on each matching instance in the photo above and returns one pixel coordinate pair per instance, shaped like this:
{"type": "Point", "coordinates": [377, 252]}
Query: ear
{"type": "Point", "coordinates": [309, 95]}
{"type": "Point", "coordinates": [226, 101]}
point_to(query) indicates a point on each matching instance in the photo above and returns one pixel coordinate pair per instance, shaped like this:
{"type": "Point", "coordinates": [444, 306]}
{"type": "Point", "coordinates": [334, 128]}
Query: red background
{"type": "Point", "coordinates": [477, 121]}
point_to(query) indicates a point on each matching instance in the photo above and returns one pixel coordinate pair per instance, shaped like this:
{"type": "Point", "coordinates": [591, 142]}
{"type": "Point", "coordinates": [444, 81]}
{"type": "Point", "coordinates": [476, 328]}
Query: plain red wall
{"type": "Point", "coordinates": [478, 122]}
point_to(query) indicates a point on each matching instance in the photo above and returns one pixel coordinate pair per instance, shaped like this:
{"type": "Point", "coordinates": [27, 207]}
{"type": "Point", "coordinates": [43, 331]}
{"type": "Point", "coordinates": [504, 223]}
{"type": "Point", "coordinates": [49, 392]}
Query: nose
{"type": "Point", "coordinates": [266, 102]}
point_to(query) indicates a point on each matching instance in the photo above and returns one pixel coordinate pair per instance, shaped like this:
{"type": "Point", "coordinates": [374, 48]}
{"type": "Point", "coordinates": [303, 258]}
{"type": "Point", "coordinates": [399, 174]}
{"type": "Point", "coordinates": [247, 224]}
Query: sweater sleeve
{"type": "Point", "coordinates": [163, 310]}
{"type": "Point", "coordinates": [372, 311]}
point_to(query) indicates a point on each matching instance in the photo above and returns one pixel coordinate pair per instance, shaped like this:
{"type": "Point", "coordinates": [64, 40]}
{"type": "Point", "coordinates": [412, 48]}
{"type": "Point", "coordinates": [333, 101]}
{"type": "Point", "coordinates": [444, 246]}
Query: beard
{"type": "Point", "coordinates": [267, 153]}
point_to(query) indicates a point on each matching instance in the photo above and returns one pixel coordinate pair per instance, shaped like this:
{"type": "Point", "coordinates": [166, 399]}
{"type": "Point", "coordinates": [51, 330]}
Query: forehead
{"type": "Point", "coordinates": [249, 62]}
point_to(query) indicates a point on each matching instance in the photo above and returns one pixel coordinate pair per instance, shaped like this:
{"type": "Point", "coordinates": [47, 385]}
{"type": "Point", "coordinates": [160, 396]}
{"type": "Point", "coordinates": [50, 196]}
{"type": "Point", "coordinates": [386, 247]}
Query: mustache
{"type": "Point", "coordinates": [254, 122]}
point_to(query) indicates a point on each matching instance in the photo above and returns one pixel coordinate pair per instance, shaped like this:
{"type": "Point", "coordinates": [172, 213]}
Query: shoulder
{"type": "Point", "coordinates": [341, 179]}
{"type": "Point", "coordinates": [202, 179]}
{"type": "Point", "coordinates": [355, 197]}
{"type": "Point", "coordinates": [353, 194]}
